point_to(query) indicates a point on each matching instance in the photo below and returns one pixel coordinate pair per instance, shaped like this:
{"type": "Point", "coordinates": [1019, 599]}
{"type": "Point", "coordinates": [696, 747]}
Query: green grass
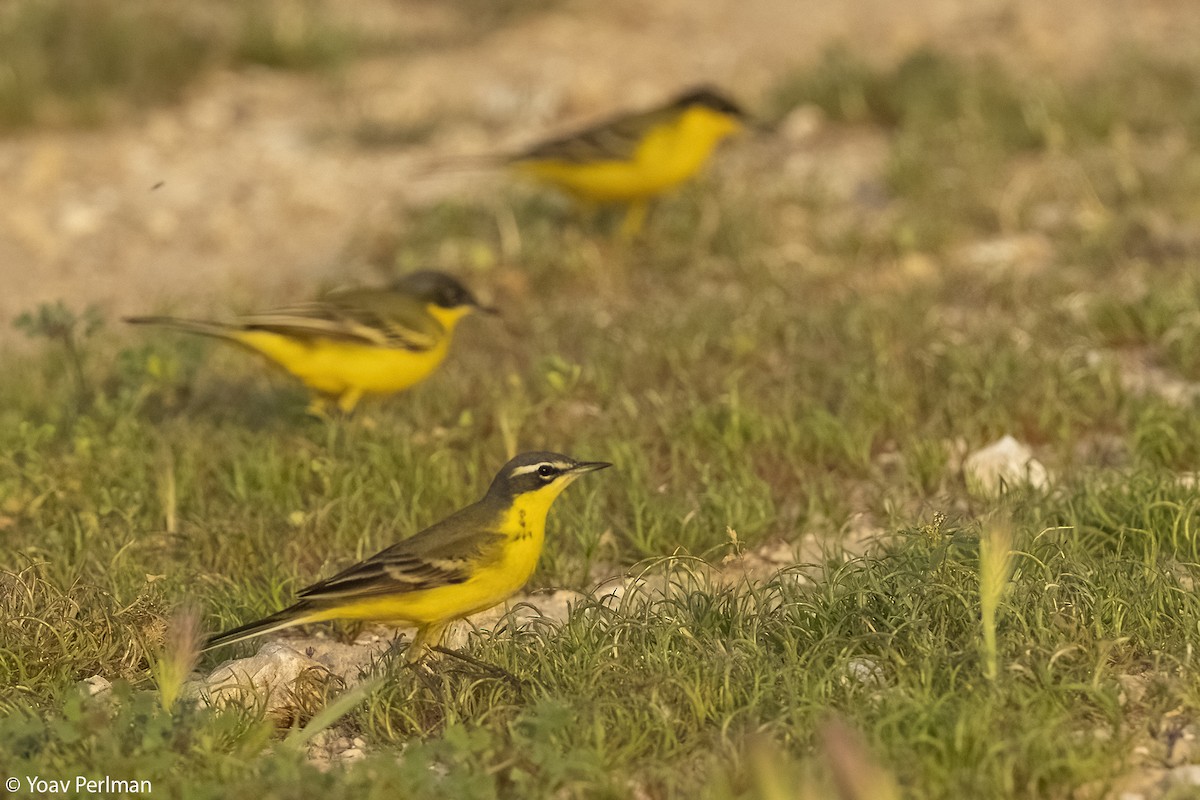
{"type": "Point", "coordinates": [734, 386]}
{"type": "Point", "coordinates": [97, 62]}
{"type": "Point", "coordinates": [88, 62]}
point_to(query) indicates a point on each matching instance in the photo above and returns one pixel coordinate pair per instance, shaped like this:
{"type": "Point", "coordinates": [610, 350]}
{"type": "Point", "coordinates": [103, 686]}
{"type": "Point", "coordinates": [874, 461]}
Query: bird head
{"type": "Point", "coordinates": [446, 298]}
{"type": "Point", "coordinates": [711, 99]}
{"type": "Point", "coordinates": [541, 473]}
{"type": "Point", "coordinates": [711, 112]}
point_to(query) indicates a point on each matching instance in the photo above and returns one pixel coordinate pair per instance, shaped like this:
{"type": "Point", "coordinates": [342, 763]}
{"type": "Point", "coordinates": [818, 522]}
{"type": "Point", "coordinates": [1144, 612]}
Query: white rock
{"type": "Point", "coordinates": [267, 678]}
{"type": "Point", "coordinates": [1186, 775]}
{"type": "Point", "coordinates": [97, 684]}
{"type": "Point", "coordinates": [802, 123]}
{"type": "Point", "coordinates": [1006, 462]}
{"type": "Point", "coordinates": [1026, 254]}
{"type": "Point", "coordinates": [864, 671]}
{"type": "Point", "coordinates": [326, 750]}
{"type": "Point", "coordinates": [348, 661]}
{"type": "Point", "coordinates": [352, 754]}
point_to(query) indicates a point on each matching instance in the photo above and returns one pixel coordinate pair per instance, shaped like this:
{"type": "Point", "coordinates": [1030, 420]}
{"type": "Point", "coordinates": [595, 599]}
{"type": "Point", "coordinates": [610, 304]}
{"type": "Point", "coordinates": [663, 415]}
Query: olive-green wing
{"type": "Point", "coordinates": [441, 555]}
{"type": "Point", "coordinates": [377, 317]}
{"type": "Point", "coordinates": [614, 140]}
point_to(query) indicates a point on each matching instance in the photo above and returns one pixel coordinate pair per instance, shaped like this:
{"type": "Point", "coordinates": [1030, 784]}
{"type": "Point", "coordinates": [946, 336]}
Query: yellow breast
{"type": "Point", "coordinates": [497, 577]}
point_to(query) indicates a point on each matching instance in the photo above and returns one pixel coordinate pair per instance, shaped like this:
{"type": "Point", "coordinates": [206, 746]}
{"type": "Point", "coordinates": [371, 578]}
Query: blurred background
{"type": "Point", "coordinates": [201, 156]}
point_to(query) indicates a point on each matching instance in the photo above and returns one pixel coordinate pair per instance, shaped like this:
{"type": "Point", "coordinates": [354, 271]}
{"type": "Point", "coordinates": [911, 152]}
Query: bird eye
{"type": "Point", "coordinates": [545, 471]}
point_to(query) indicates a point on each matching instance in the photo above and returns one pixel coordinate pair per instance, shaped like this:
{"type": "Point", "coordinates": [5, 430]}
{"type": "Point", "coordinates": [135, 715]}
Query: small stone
{"type": "Point", "coordinates": [802, 123]}
{"type": "Point", "coordinates": [1004, 463]}
{"type": "Point", "coordinates": [96, 685]}
{"type": "Point", "coordinates": [1186, 775]}
{"type": "Point", "coordinates": [320, 740]}
{"type": "Point", "coordinates": [1133, 689]}
{"type": "Point", "coordinates": [351, 754]}
{"type": "Point", "coordinates": [1023, 253]}
{"type": "Point", "coordinates": [864, 671]}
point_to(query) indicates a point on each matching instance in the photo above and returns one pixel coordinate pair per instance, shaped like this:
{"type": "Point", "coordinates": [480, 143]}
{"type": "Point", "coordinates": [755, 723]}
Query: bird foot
{"type": "Point", "coordinates": [488, 669]}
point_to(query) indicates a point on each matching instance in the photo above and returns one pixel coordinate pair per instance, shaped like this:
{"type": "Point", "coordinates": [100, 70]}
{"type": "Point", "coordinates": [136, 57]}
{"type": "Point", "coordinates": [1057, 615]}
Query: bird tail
{"type": "Point", "coordinates": [217, 329]}
{"type": "Point", "coordinates": [475, 162]}
{"type": "Point", "coordinates": [293, 615]}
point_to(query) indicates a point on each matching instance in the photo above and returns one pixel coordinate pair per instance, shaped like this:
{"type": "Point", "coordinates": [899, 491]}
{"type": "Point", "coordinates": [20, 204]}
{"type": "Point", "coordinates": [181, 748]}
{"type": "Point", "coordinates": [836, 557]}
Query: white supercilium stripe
{"type": "Point", "coordinates": [528, 468]}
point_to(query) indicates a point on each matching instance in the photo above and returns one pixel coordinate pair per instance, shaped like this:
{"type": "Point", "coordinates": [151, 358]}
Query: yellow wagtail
{"type": "Point", "coordinates": [470, 561]}
{"type": "Point", "coordinates": [352, 342]}
{"type": "Point", "coordinates": [633, 158]}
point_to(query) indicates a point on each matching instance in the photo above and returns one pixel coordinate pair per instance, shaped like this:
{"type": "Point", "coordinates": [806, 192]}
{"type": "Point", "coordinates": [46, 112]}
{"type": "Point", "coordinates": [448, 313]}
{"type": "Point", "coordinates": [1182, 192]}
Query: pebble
{"type": "Point", "coordinates": [1003, 463]}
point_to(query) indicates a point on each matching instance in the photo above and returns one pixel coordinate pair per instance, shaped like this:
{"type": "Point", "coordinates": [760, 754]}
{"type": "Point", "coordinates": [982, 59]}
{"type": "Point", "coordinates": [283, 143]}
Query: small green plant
{"type": "Point", "coordinates": [80, 61]}
{"type": "Point", "coordinates": [56, 322]}
{"type": "Point", "coordinates": [290, 34]}
{"type": "Point", "coordinates": [86, 62]}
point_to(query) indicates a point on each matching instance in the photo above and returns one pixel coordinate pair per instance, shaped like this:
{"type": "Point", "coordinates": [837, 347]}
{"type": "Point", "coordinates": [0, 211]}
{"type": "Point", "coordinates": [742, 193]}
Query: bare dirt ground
{"type": "Point", "coordinates": [252, 190]}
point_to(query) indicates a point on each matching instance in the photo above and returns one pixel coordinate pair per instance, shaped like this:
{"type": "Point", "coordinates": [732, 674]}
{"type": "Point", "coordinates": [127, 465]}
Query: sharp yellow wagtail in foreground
{"type": "Point", "coordinates": [636, 157]}
{"type": "Point", "coordinates": [352, 342]}
{"type": "Point", "coordinates": [470, 561]}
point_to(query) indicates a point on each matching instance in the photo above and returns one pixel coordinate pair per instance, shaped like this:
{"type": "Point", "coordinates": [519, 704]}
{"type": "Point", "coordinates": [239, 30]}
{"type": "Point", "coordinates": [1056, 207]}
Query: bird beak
{"type": "Point", "coordinates": [589, 466]}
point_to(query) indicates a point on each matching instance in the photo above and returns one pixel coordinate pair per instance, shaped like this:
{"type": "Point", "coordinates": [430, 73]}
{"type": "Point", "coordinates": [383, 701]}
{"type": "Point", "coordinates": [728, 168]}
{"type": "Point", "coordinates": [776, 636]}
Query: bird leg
{"type": "Point", "coordinates": [635, 218]}
{"type": "Point", "coordinates": [427, 639]}
{"type": "Point", "coordinates": [348, 400]}
{"type": "Point", "coordinates": [319, 407]}
{"type": "Point", "coordinates": [489, 669]}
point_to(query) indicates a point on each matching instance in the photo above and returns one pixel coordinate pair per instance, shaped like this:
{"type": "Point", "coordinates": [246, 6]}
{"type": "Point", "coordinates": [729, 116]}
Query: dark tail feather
{"type": "Point", "coordinates": [293, 615]}
{"type": "Point", "coordinates": [199, 326]}
{"type": "Point", "coordinates": [463, 163]}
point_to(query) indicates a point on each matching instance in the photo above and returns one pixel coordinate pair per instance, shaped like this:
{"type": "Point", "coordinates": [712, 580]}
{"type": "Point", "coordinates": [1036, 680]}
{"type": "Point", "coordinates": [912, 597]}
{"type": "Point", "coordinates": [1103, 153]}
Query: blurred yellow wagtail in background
{"type": "Point", "coordinates": [470, 561]}
{"type": "Point", "coordinates": [352, 342]}
{"type": "Point", "coordinates": [633, 158]}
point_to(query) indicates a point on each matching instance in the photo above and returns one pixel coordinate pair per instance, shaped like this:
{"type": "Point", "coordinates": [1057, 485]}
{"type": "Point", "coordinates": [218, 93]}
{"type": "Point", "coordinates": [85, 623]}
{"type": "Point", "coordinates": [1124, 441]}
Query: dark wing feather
{"type": "Point", "coordinates": [380, 318]}
{"type": "Point", "coordinates": [441, 555]}
{"type": "Point", "coordinates": [613, 140]}
{"type": "Point", "coordinates": [388, 576]}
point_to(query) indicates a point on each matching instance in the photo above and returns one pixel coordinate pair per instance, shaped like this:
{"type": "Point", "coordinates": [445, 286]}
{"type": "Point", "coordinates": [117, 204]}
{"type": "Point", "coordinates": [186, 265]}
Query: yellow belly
{"type": "Point", "coordinates": [333, 367]}
{"type": "Point", "coordinates": [607, 181]}
{"type": "Point", "coordinates": [497, 577]}
{"type": "Point", "coordinates": [489, 586]}
{"type": "Point", "coordinates": [668, 155]}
